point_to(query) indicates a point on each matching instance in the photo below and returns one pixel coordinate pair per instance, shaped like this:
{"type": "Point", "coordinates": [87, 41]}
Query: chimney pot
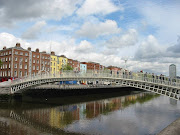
{"type": "Point", "coordinates": [29, 48]}
{"type": "Point", "coordinates": [18, 45]}
{"type": "Point", "coordinates": [52, 53]}
{"type": "Point", "coordinates": [37, 50]}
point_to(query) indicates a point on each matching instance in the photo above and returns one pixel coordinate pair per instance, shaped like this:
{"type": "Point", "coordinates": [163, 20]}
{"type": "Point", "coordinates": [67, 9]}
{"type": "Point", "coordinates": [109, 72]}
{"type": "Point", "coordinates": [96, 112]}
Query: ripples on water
{"type": "Point", "coordinates": [135, 114]}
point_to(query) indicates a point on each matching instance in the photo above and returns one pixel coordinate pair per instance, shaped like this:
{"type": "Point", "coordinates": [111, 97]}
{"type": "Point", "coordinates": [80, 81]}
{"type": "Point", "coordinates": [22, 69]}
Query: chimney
{"type": "Point", "coordinates": [29, 48]}
{"type": "Point", "coordinates": [4, 47]}
{"type": "Point", "coordinates": [52, 53]}
{"type": "Point", "coordinates": [18, 45]}
{"type": "Point", "coordinates": [37, 50]}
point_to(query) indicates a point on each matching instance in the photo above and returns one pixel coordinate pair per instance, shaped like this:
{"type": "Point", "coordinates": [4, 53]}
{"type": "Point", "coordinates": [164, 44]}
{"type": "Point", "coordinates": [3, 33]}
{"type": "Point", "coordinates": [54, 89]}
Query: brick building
{"type": "Point", "coordinates": [18, 62]}
{"type": "Point", "coordinates": [114, 69]}
{"type": "Point", "coordinates": [93, 65]}
{"type": "Point", "coordinates": [74, 64]}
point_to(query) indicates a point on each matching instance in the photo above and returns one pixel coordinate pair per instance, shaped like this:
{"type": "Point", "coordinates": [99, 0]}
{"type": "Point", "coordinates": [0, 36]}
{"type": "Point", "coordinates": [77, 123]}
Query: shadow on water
{"type": "Point", "coordinates": [53, 114]}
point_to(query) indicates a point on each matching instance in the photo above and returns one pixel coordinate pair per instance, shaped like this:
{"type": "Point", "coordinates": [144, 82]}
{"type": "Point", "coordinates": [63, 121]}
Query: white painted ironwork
{"type": "Point", "coordinates": [157, 84]}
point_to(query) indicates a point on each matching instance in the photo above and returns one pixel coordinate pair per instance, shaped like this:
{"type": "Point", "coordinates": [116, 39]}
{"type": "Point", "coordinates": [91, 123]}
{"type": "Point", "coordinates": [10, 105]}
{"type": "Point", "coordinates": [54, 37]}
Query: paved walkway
{"type": "Point", "coordinates": [172, 129]}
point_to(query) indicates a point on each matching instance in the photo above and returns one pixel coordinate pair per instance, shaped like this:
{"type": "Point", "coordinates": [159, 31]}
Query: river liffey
{"type": "Point", "coordinates": [138, 113]}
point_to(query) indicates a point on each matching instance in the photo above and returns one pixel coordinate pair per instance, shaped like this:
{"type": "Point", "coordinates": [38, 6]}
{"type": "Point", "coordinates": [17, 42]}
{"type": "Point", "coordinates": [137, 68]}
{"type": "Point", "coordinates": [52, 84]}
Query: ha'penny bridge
{"type": "Point", "coordinates": [155, 84]}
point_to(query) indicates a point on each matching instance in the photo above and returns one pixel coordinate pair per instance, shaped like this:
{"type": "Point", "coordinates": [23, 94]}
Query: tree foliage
{"type": "Point", "coordinates": [67, 67]}
{"type": "Point", "coordinates": [0, 63]}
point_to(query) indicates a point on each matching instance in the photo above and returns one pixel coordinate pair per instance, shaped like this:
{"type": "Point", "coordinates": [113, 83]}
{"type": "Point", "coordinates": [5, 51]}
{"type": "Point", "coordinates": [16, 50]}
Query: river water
{"type": "Point", "coordinates": [139, 113]}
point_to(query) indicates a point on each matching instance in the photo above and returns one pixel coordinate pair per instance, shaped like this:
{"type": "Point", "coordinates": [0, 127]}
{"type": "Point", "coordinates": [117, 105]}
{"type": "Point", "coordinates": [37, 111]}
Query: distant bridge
{"type": "Point", "coordinates": [163, 86]}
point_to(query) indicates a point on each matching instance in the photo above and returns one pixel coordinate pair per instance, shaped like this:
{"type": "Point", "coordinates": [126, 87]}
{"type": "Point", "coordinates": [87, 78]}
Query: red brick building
{"type": "Point", "coordinates": [18, 62]}
{"type": "Point", "coordinates": [74, 64]}
{"type": "Point", "coordinates": [93, 66]}
{"type": "Point", "coordinates": [114, 69]}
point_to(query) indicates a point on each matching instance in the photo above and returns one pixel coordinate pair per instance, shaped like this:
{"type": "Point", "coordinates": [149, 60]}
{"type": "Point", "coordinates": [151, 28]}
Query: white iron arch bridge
{"type": "Point", "coordinates": [156, 84]}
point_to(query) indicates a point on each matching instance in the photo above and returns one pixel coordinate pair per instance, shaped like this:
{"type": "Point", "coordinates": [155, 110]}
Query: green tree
{"type": "Point", "coordinates": [67, 67]}
{"type": "Point", "coordinates": [0, 63]}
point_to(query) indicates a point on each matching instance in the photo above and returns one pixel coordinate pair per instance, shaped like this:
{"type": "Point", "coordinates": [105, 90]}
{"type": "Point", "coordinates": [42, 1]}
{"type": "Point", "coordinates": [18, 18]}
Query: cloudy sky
{"type": "Point", "coordinates": [147, 33]}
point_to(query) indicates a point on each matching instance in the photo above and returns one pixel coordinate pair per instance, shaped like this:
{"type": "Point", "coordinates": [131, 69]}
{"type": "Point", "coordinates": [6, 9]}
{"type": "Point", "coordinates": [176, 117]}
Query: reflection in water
{"type": "Point", "coordinates": [133, 114]}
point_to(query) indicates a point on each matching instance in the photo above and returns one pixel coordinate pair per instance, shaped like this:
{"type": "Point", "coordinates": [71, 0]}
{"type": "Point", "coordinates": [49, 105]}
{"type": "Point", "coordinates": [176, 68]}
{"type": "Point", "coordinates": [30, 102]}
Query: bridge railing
{"type": "Point", "coordinates": [91, 74]}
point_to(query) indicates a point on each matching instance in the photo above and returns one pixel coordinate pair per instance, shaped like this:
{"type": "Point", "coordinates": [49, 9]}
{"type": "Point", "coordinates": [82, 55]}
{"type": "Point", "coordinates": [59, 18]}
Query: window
{"type": "Point", "coordinates": [42, 57]}
{"type": "Point", "coordinates": [6, 53]}
{"type": "Point", "coordinates": [45, 57]}
{"type": "Point", "coordinates": [6, 59]}
{"type": "Point", "coordinates": [37, 61]}
{"type": "Point", "coordinates": [54, 64]}
{"type": "Point", "coordinates": [9, 52]}
{"type": "Point", "coordinates": [25, 66]}
{"type": "Point", "coordinates": [15, 73]}
{"type": "Point", "coordinates": [21, 59]}
{"type": "Point", "coordinates": [26, 54]}
{"type": "Point", "coordinates": [9, 65]}
{"type": "Point", "coordinates": [47, 69]}
{"type": "Point", "coordinates": [26, 60]}
{"type": "Point", "coordinates": [33, 61]}
{"type": "Point", "coordinates": [37, 68]}
{"type": "Point", "coordinates": [20, 66]}
{"type": "Point", "coordinates": [9, 58]}
{"type": "Point", "coordinates": [45, 62]}
{"type": "Point", "coordinates": [21, 53]}
{"type": "Point", "coordinates": [37, 56]}
{"type": "Point", "coordinates": [15, 58]}
{"type": "Point", "coordinates": [33, 67]}
{"type": "Point", "coordinates": [20, 73]}
{"type": "Point", "coordinates": [16, 52]}
{"type": "Point", "coordinates": [6, 66]}
{"type": "Point", "coordinates": [15, 65]}
{"type": "Point", "coordinates": [51, 63]}
{"type": "Point", "coordinates": [5, 73]}
{"type": "Point", "coordinates": [25, 73]}
{"type": "Point", "coordinates": [9, 73]}
{"type": "Point", "coordinates": [34, 55]}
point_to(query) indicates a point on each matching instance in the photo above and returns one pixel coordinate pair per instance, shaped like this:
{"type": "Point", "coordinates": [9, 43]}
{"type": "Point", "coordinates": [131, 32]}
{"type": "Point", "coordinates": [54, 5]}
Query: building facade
{"type": "Point", "coordinates": [18, 62]}
{"type": "Point", "coordinates": [83, 68]}
{"type": "Point", "coordinates": [92, 66]}
{"type": "Point", "coordinates": [74, 64]}
{"type": "Point", "coordinates": [63, 61]}
{"type": "Point", "coordinates": [54, 66]}
{"type": "Point", "coordinates": [172, 71]}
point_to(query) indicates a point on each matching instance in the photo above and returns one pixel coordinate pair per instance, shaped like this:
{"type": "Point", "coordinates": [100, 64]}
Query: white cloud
{"type": "Point", "coordinates": [84, 47]}
{"type": "Point", "coordinates": [175, 48]}
{"type": "Point", "coordinates": [97, 7]}
{"type": "Point", "coordinates": [94, 30]}
{"type": "Point", "coordinates": [128, 39]}
{"type": "Point", "coordinates": [34, 31]}
{"type": "Point", "coordinates": [12, 11]}
{"type": "Point", "coordinates": [164, 17]}
{"type": "Point", "coordinates": [9, 40]}
{"type": "Point", "coordinates": [150, 48]}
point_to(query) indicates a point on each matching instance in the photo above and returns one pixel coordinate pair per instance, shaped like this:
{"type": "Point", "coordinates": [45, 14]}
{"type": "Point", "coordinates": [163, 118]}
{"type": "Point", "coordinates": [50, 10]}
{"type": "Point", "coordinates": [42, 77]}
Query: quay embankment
{"type": "Point", "coordinates": [172, 129]}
